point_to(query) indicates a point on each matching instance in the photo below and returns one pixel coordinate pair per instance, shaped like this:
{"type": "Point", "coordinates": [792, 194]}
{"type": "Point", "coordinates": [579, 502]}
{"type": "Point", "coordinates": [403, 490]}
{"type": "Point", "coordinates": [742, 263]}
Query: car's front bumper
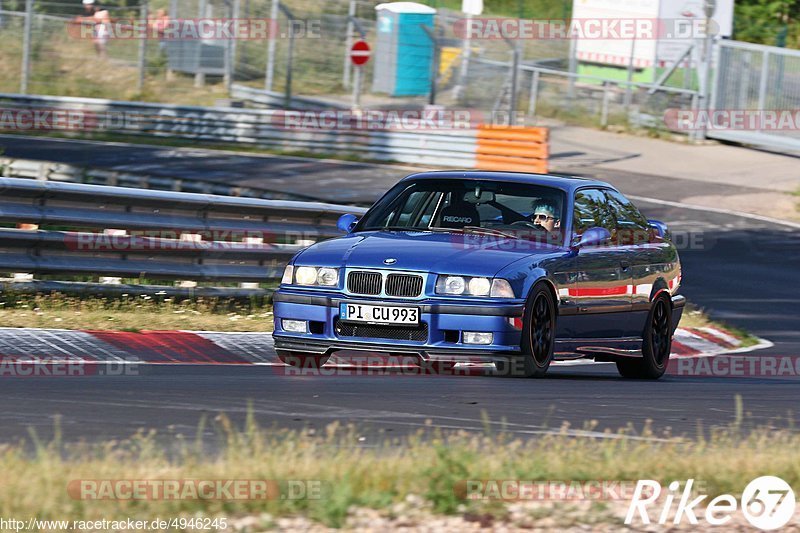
{"type": "Point", "coordinates": [444, 319]}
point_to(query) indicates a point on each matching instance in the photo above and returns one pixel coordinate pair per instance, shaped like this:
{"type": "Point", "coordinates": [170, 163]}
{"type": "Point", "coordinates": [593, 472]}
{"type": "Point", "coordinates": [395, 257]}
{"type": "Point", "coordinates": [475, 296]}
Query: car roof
{"type": "Point", "coordinates": [562, 181]}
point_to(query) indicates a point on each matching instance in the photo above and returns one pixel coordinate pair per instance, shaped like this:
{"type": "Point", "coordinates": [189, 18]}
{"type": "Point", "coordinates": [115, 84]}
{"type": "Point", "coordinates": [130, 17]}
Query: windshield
{"type": "Point", "coordinates": [514, 210]}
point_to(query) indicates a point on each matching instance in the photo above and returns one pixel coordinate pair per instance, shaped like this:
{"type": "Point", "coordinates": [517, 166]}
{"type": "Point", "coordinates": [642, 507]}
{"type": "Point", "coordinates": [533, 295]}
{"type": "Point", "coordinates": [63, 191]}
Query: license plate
{"type": "Point", "coordinates": [379, 314]}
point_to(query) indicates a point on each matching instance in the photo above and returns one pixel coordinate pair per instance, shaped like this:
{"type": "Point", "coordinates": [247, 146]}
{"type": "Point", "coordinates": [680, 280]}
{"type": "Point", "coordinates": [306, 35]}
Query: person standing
{"type": "Point", "coordinates": [100, 18]}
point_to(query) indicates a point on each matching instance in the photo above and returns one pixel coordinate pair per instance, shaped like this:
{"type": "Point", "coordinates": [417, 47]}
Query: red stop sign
{"type": "Point", "coordinates": [360, 52]}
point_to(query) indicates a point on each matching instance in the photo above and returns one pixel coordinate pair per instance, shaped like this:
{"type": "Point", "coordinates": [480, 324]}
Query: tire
{"type": "Point", "coordinates": [538, 337]}
{"type": "Point", "coordinates": [656, 345]}
{"type": "Point", "coordinates": [303, 360]}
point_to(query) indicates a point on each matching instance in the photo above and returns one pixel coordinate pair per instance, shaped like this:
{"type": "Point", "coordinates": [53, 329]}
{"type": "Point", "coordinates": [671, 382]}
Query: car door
{"type": "Point", "coordinates": [603, 285]}
{"type": "Point", "coordinates": [651, 257]}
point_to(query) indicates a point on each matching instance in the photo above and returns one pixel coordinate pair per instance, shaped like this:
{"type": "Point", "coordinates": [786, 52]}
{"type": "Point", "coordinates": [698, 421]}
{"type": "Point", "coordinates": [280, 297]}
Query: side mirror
{"type": "Point", "coordinates": [347, 222]}
{"type": "Point", "coordinates": [661, 229]}
{"type": "Point", "coordinates": [593, 237]}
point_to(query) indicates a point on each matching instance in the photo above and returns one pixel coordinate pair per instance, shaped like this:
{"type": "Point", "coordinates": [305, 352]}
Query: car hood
{"type": "Point", "coordinates": [467, 254]}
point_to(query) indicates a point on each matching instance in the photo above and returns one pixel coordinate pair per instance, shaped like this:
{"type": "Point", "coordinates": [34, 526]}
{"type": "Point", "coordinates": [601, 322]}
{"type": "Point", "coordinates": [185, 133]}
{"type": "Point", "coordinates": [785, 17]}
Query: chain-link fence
{"type": "Point", "coordinates": [305, 52]}
{"type": "Point", "coordinates": [755, 85]}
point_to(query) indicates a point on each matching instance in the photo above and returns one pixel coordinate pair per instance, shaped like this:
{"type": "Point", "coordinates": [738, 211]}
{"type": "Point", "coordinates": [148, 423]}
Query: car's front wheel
{"type": "Point", "coordinates": [656, 345]}
{"type": "Point", "coordinates": [303, 360]}
{"type": "Point", "coordinates": [538, 337]}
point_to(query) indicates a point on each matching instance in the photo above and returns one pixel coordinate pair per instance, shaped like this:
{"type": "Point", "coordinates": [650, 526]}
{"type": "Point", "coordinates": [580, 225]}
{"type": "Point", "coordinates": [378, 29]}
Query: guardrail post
{"type": "Point", "coordinates": [256, 241]}
{"type": "Point", "coordinates": [24, 277]}
{"type": "Point", "coordinates": [112, 280]}
{"type": "Point", "coordinates": [189, 237]}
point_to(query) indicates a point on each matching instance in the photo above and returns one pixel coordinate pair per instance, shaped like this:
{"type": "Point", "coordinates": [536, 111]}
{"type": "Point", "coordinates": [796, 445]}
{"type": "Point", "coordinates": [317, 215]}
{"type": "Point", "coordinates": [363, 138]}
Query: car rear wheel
{"type": "Point", "coordinates": [656, 346]}
{"type": "Point", "coordinates": [303, 360]}
{"type": "Point", "coordinates": [538, 337]}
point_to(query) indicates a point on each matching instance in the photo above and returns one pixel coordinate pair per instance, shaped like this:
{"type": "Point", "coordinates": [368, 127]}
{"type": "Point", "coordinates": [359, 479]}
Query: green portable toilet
{"type": "Point", "coordinates": [403, 51]}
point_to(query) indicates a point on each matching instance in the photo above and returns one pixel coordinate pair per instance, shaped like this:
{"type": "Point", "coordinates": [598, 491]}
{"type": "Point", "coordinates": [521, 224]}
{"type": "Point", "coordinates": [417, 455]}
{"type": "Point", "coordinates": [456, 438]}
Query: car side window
{"type": "Point", "coordinates": [416, 210]}
{"type": "Point", "coordinates": [632, 226]}
{"type": "Point", "coordinates": [591, 210]}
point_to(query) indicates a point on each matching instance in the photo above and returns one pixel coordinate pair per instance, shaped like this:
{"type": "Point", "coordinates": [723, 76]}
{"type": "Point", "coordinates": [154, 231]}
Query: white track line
{"type": "Point", "coordinates": [695, 207]}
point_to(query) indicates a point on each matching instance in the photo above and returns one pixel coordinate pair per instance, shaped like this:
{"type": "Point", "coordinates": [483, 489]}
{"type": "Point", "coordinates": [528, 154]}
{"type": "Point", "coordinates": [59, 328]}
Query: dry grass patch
{"type": "Point", "coordinates": [358, 472]}
{"type": "Point", "coordinates": [134, 313]}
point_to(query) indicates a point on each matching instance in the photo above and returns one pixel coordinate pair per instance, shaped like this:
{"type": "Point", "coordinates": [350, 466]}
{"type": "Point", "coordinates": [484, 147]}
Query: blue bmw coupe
{"type": "Point", "coordinates": [511, 268]}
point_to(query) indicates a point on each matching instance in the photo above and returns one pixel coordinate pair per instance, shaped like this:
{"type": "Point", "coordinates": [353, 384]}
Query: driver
{"type": "Point", "coordinates": [545, 215]}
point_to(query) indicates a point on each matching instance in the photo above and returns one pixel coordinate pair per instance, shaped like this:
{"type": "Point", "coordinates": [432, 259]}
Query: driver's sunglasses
{"type": "Point", "coordinates": [537, 216]}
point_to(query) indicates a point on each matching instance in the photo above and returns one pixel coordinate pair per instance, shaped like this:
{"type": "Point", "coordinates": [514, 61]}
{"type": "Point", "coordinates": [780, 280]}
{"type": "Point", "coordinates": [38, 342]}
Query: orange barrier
{"type": "Point", "coordinates": [512, 148]}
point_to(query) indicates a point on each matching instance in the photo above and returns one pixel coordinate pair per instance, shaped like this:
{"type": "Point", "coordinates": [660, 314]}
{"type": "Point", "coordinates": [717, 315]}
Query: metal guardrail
{"type": "Point", "coordinates": [63, 172]}
{"type": "Point", "coordinates": [91, 231]}
{"type": "Point", "coordinates": [264, 128]}
{"type": "Point", "coordinates": [273, 99]}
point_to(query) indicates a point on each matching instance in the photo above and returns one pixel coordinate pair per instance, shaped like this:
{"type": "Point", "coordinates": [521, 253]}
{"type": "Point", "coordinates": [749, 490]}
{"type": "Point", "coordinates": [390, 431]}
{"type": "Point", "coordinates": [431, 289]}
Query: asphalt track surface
{"type": "Point", "coordinates": [742, 270]}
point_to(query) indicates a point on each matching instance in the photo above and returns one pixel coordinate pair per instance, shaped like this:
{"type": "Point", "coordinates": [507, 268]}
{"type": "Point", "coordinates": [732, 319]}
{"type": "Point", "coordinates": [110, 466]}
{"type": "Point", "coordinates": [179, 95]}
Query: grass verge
{"type": "Point", "coordinates": [697, 317]}
{"type": "Point", "coordinates": [133, 313]}
{"type": "Point", "coordinates": [428, 470]}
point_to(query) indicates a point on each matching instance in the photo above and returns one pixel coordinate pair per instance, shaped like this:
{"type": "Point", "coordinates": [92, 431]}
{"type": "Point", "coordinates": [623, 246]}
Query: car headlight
{"type": "Point", "coordinates": [451, 285]}
{"type": "Point", "coordinates": [328, 277]}
{"type": "Point", "coordinates": [473, 286]}
{"type": "Point", "coordinates": [306, 275]}
{"type": "Point", "coordinates": [479, 286]}
{"type": "Point", "coordinates": [288, 275]}
{"type": "Point", "coordinates": [501, 288]}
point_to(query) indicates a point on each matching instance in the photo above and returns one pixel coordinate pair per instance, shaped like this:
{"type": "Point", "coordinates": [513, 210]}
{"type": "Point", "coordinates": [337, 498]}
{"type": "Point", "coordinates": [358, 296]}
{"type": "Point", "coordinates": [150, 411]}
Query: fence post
{"type": "Point", "coordinates": [228, 64]}
{"type": "Point", "coordinates": [142, 48]}
{"type": "Point", "coordinates": [466, 53]}
{"type": "Point", "coordinates": [289, 59]}
{"type": "Point", "coordinates": [231, 52]}
{"type": "Point", "coordinates": [629, 86]}
{"type": "Point", "coordinates": [604, 108]}
{"type": "Point", "coordinates": [273, 34]}
{"type": "Point", "coordinates": [762, 86]}
{"type": "Point", "coordinates": [512, 100]}
{"type": "Point", "coordinates": [26, 47]}
{"type": "Point", "coordinates": [534, 93]}
{"type": "Point", "coordinates": [348, 43]}
{"type": "Point", "coordinates": [200, 77]}
{"type": "Point", "coordinates": [709, 7]}
{"type": "Point", "coordinates": [573, 65]}
{"type": "Point", "coordinates": [431, 33]}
